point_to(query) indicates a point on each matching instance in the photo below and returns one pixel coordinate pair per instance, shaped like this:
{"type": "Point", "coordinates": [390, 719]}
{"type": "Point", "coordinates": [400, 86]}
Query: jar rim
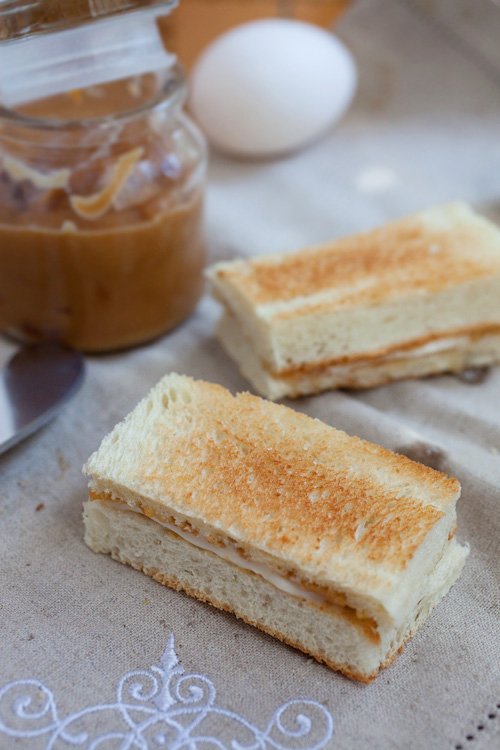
{"type": "Point", "coordinates": [170, 94]}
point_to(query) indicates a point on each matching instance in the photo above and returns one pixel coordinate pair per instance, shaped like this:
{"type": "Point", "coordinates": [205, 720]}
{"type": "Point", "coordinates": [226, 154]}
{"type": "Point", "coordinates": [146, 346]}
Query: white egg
{"type": "Point", "coordinates": [271, 86]}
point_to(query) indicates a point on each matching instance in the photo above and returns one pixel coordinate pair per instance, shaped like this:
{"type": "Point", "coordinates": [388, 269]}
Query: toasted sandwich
{"type": "Point", "coordinates": [334, 545]}
{"type": "Point", "coordinates": [416, 297]}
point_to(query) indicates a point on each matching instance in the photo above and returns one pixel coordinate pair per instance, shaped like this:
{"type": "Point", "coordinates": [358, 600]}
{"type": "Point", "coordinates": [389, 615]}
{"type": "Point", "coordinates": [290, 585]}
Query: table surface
{"type": "Point", "coordinates": [424, 129]}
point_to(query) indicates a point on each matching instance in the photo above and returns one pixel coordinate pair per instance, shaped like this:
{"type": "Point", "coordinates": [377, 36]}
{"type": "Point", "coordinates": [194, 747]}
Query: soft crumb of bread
{"type": "Point", "coordinates": [325, 635]}
{"type": "Point", "coordinates": [477, 351]}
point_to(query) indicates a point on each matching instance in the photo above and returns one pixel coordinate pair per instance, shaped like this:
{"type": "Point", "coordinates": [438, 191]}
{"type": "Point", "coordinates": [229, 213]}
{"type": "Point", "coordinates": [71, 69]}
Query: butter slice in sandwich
{"type": "Point", "coordinates": [334, 545]}
{"type": "Point", "coordinates": [415, 297]}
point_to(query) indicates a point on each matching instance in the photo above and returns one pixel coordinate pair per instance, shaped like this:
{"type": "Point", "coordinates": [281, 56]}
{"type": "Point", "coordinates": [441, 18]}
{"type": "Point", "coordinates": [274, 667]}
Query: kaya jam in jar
{"type": "Point", "coordinates": [101, 192]}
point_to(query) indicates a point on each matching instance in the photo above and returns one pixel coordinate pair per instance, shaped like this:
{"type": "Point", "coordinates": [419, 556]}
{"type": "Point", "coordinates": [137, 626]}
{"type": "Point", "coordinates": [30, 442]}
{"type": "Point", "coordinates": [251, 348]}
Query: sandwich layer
{"type": "Point", "coordinates": [331, 543]}
{"type": "Point", "coordinates": [452, 354]}
{"type": "Point", "coordinates": [324, 631]}
{"type": "Point", "coordinates": [233, 555]}
{"type": "Point", "coordinates": [338, 514]}
{"type": "Point", "coordinates": [423, 278]}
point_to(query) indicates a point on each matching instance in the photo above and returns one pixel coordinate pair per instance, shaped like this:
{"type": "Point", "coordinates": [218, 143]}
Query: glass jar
{"type": "Point", "coordinates": [101, 194]}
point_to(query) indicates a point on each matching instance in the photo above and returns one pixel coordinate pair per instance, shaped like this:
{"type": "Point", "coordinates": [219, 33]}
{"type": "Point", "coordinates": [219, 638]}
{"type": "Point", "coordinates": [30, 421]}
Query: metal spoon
{"type": "Point", "coordinates": [34, 385]}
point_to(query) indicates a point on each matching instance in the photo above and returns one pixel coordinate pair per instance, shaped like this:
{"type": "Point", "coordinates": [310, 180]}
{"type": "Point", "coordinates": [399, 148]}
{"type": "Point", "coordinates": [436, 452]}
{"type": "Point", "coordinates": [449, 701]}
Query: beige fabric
{"type": "Point", "coordinates": [78, 621]}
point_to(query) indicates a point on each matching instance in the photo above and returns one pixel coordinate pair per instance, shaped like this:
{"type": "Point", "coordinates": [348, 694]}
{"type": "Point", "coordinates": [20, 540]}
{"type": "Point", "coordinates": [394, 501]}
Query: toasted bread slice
{"type": "Point", "coordinates": [312, 320]}
{"type": "Point", "coordinates": [341, 532]}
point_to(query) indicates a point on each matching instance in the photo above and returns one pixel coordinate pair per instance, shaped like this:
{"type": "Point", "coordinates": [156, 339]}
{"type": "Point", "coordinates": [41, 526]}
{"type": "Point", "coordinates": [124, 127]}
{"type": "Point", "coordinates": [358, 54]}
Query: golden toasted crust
{"type": "Point", "coordinates": [259, 481]}
{"type": "Point", "coordinates": [426, 252]}
{"type": "Point", "coordinates": [276, 482]}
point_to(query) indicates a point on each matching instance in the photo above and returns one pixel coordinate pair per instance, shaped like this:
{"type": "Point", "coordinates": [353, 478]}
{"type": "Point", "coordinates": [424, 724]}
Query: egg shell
{"type": "Point", "coordinates": [269, 87]}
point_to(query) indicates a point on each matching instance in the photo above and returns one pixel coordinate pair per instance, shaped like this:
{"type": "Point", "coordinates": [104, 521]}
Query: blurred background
{"type": "Point", "coordinates": [195, 23]}
{"type": "Point", "coordinates": [323, 117]}
{"type": "Point", "coordinates": [422, 129]}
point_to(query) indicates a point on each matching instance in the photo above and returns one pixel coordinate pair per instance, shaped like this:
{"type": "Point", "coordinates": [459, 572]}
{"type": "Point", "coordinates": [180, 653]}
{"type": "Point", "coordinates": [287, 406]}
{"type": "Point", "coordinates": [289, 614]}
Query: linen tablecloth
{"type": "Point", "coordinates": [424, 129]}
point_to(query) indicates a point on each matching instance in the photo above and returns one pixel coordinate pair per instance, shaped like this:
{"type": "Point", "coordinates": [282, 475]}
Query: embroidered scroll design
{"type": "Point", "coordinates": [158, 709]}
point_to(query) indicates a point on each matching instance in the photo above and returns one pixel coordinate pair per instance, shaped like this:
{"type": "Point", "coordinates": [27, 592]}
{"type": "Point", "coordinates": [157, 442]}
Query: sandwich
{"type": "Point", "coordinates": [416, 297]}
{"type": "Point", "coordinates": [331, 544]}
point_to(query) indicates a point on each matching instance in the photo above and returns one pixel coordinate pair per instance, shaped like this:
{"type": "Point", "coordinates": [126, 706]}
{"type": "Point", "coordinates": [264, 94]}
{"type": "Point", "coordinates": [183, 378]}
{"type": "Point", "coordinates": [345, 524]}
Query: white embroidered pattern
{"type": "Point", "coordinates": [160, 708]}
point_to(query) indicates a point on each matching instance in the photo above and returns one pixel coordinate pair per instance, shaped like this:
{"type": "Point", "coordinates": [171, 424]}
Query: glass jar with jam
{"type": "Point", "coordinates": [101, 192]}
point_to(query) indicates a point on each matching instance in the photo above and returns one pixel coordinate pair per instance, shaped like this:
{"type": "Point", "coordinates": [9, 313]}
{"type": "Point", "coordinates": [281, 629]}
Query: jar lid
{"type": "Point", "coordinates": [48, 47]}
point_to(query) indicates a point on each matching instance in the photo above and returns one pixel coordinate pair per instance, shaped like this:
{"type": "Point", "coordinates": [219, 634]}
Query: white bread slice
{"type": "Point", "coordinates": [359, 301]}
{"type": "Point", "coordinates": [349, 530]}
{"type": "Point", "coordinates": [451, 354]}
{"type": "Point", "coordinates": [326, 633]}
